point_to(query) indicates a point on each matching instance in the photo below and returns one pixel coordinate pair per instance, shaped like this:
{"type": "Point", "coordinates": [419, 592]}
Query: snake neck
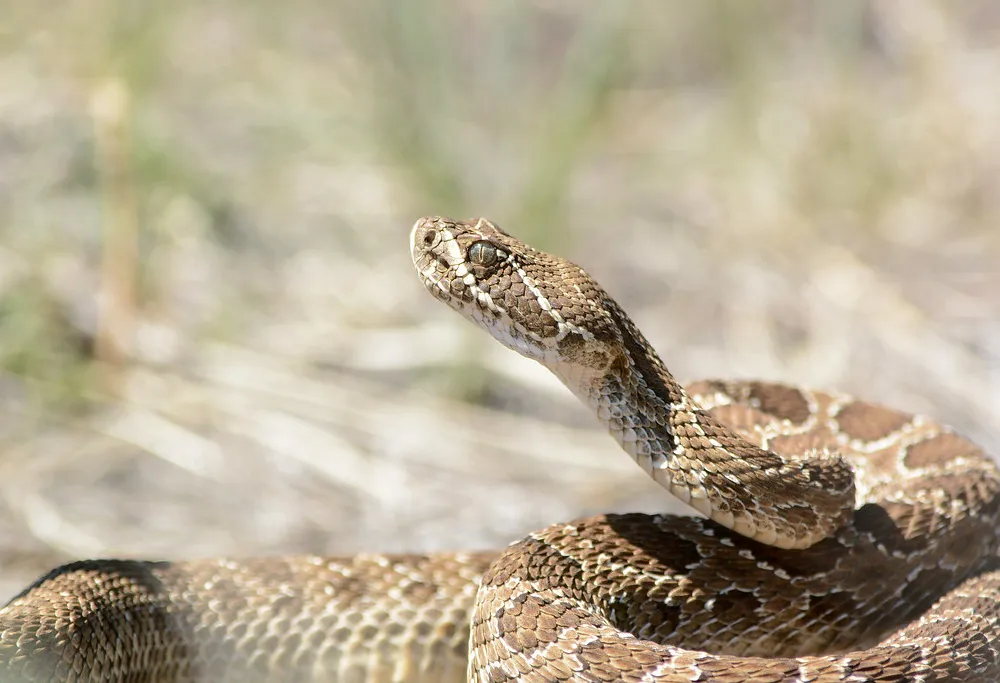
{"type": "Point", "coordinates": [701, 461]}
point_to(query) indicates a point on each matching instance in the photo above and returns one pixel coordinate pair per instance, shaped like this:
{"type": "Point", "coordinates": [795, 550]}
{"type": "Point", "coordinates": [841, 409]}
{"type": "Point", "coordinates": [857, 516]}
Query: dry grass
{"type": "Point", "coordinates": [211, 338]}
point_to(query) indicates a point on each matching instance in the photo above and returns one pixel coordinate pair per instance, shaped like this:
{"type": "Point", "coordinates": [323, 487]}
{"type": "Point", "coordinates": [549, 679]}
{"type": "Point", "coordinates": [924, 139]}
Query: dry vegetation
{"type": "Point", "coordinates": [211, 340]}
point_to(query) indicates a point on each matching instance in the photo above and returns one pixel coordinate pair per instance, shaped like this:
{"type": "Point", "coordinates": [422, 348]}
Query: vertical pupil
{"type": "Point", "coordinates": [482, 253]}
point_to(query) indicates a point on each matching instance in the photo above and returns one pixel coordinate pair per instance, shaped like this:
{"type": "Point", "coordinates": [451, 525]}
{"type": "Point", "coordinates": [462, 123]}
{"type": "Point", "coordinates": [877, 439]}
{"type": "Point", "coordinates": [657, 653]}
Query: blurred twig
{"type": "Point", "coordinates": [116, 321]}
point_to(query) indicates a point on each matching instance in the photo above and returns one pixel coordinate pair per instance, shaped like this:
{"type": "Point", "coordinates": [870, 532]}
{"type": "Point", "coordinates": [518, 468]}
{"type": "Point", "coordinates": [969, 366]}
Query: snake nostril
{"type": "Point", "coordinates": [431, 237]}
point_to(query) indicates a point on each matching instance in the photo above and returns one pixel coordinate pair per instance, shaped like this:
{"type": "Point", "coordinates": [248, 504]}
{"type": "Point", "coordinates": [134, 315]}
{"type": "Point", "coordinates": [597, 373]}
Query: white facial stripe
{"type": "Point", "coordinates": [565, 328]}
{"type": "Point", "coordinates": [454, 254]}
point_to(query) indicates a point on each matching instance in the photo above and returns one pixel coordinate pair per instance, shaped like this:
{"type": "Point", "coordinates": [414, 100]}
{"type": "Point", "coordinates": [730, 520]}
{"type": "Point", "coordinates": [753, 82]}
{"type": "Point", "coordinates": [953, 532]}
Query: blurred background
{"type": "Point", "coordinates": [211, 338]}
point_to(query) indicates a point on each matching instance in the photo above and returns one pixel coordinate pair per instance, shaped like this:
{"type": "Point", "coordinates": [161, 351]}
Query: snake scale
{"type": "Point", "coordinates": [842, 541]}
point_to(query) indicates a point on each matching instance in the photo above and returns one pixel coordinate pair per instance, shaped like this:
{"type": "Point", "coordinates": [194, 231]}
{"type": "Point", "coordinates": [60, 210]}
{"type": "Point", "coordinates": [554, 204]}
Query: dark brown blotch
{"type": "Point", "coordinates": [783, 402]}
{"type": "Point", "coordinates": [869, 422]}
{"type": "Point", "coordinates": [937, 449]}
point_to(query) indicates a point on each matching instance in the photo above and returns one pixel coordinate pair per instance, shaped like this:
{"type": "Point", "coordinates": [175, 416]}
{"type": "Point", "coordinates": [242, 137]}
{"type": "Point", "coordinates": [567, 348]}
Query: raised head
{"type": "Point", "coordinates": [540, 305]}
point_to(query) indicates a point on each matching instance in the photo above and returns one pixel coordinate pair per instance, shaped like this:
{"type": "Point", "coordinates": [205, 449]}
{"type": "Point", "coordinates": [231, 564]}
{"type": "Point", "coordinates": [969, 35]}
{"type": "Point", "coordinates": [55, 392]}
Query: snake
{"type": "Point", "coordinates": [836, 540]}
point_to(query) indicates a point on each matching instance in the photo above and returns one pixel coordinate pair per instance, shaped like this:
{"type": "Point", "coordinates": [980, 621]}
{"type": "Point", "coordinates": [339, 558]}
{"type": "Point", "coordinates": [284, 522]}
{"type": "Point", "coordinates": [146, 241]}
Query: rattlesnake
{"type": "Point", "coordinates": [845, 541]}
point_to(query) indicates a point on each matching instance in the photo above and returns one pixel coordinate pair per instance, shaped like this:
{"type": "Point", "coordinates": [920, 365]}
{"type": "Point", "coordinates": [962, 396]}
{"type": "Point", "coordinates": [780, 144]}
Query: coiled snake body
{"type": "Point", "coordinates": [844, 542]}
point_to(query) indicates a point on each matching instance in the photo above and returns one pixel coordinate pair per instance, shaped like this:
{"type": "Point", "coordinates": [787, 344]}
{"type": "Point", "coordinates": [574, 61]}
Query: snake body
{"type": "Point", "coordinates": [842, 541]}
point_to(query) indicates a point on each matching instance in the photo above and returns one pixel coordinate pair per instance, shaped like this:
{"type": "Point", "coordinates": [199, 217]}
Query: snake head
{"type": "Point", "coordinates": [540, 305]}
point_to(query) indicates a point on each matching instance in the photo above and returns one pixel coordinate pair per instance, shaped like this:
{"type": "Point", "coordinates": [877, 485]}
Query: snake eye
{"type": "Point", "coordinates": [483, 253]}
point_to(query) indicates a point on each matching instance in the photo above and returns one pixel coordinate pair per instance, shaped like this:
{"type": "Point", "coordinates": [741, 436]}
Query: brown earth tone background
{"type": "Point", "coordinates": [211, 338]}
